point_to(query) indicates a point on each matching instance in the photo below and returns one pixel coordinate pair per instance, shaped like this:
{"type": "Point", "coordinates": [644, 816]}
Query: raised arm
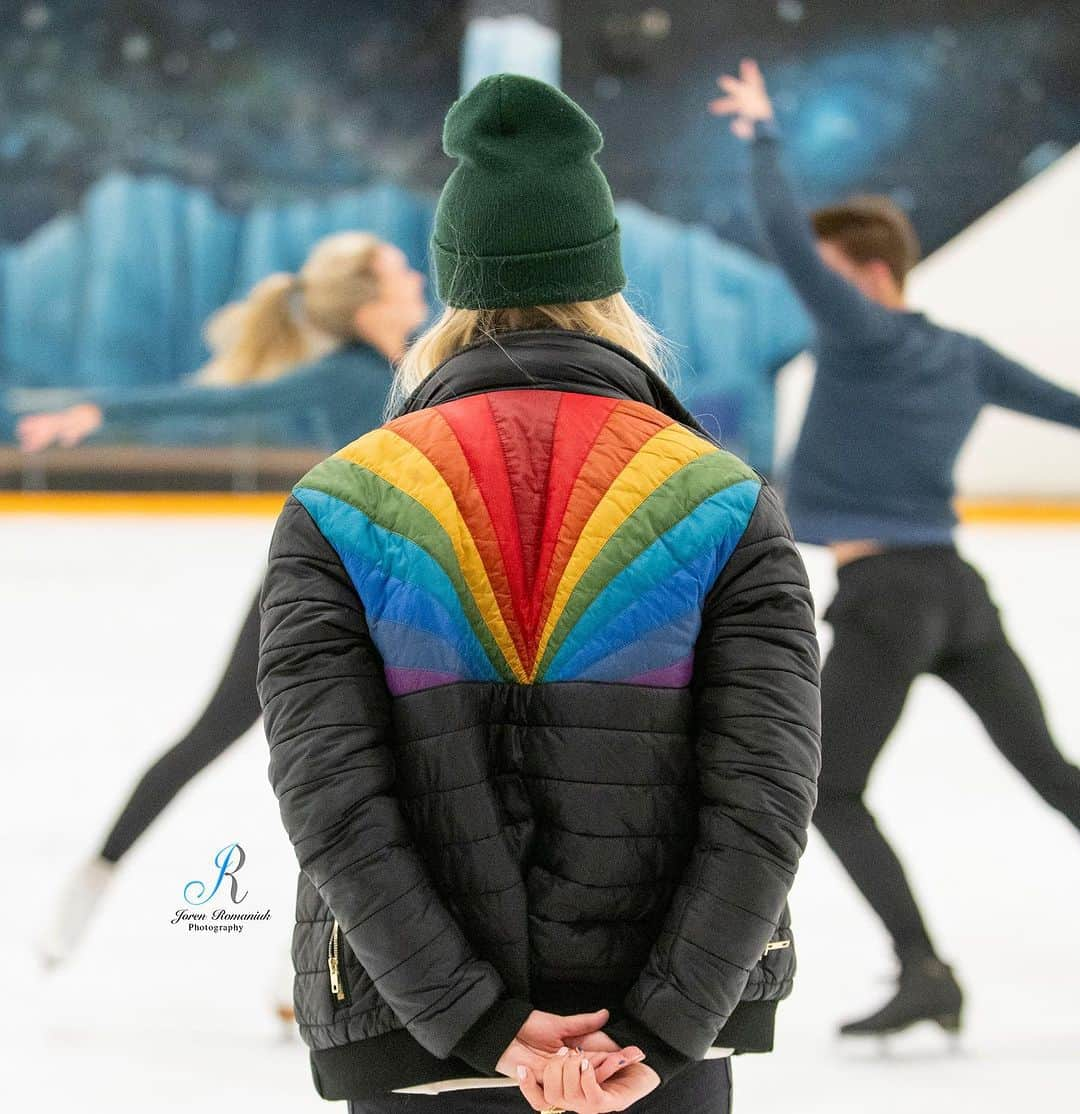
{"type": "Point", "coordinates": [836, 305]}
{"type": "Point", "coordinates": [758, 753]}
{"type": "Point", "coordinates": [1011, 385]}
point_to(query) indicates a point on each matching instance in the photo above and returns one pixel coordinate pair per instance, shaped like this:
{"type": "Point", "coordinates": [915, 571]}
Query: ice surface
{"type": "Point", "coordinates": [114, 631]}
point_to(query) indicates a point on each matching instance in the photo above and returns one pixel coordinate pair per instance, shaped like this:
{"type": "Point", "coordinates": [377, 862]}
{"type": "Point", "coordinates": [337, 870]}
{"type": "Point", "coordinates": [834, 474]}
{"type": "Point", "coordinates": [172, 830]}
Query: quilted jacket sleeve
{"type": "Point", "coordinates": [328, 720]}
{"type": "Point", "coordinates": [758, 753]}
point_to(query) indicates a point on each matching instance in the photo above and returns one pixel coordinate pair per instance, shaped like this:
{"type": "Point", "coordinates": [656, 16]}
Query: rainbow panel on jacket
{"type": "Point", "coordinates": [532, 536]}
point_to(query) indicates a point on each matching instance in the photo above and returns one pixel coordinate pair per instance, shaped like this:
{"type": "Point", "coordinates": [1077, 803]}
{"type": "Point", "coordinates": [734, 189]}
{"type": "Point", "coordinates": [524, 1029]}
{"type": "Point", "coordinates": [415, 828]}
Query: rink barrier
{"type": "Point", "coordinates": [267, 504]}
{"type": "Point", "coordinates": [148, 503]}
{"type": "Point", "coordinates": [1017, 512]}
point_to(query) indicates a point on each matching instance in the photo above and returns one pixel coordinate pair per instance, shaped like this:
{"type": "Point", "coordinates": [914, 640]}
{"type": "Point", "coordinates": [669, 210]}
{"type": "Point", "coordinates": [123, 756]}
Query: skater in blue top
{"type": "Point", "coordinates": [311, 349]}
{"type": "Point", "coordinates": [319, 346]}
{"type": "Point", "coordinates": [894, 399]}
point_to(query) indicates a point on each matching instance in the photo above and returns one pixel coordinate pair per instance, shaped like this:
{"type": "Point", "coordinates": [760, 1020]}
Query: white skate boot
{"type": "Point", "coordinates": [78, 901]}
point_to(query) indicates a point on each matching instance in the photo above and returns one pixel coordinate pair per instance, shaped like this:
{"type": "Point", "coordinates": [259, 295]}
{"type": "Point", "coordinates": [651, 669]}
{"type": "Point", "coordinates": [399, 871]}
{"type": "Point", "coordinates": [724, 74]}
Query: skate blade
{"type": "Point", "coordinates": [49, 961]}
{"type": "Point", "coordinates": [939, 1038]}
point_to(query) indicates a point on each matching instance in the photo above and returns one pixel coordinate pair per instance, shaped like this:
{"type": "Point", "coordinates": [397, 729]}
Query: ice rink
{"type": "Point", "coordinates": [114, 631]}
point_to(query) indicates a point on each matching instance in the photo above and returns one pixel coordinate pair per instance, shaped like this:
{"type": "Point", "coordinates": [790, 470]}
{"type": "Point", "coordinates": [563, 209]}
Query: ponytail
{"type": "Point", "coordinates": [288, 319]}
{"type": "Point", "coordinates": [261, 337]}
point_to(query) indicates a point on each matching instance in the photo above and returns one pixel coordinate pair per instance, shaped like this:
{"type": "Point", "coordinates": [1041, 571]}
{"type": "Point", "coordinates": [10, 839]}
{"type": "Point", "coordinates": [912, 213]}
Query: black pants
{"type": "Point", "coordinates": [896, 615]}
{"type": "Point", "coordinates": [232, 710]}
{"type": "Point", "coordinates": [704, 1088]}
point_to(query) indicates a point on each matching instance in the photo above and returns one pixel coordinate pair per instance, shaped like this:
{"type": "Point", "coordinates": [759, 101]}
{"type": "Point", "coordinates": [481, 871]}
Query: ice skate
{"type": "Point", "coordinates": [282, 997]}
{"type": "Point", "coordinates": [286, 1017]}
{"type": "Point", "coordinates": [74, 910]}
{"type": "Point", "coordinates": [926, 991]}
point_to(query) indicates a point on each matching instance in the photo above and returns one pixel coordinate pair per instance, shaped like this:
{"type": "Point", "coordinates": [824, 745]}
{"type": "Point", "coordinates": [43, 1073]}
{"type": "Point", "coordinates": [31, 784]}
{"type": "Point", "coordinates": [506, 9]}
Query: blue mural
{"type": "Point", "coordinates": [117, 293]}
{"type": "Point", "coordinates": [158, 158]}
{"type": "Point", "coordinates": [947, 105]}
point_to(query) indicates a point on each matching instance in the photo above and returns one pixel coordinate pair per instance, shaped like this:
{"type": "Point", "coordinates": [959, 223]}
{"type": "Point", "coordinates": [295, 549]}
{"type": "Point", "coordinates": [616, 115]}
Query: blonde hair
{"type": "Point", "coordinates": [610, 318]}
{"type": "Point", "coordinates": [289, 319]}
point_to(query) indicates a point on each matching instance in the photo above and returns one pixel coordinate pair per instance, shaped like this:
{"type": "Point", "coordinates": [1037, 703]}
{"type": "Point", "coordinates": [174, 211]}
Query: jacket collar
{"type": "Point", "coordinates": [553, 360]}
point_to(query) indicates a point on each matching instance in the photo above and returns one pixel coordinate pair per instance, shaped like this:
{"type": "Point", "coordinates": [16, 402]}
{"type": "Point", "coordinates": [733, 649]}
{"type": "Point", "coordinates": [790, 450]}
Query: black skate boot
{"type": "Point", "coordinates": [926, 991]}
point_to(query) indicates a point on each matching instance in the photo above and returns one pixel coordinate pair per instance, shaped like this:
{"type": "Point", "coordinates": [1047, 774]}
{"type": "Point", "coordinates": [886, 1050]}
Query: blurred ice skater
{"type": "Point", "coordinates": [315, 346]}
{"type": "Point", "coordinates": [318, 343]}
{"type": "Point", "coordinates": [872, 477]}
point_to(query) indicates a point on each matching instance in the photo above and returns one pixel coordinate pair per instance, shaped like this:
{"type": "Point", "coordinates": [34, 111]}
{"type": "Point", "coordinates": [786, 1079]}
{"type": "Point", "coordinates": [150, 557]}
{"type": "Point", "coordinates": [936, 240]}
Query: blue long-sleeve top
{"type": "Point", "coordinates": [325, 404]}
{"type": "Point", "coordinates": [894, 397]}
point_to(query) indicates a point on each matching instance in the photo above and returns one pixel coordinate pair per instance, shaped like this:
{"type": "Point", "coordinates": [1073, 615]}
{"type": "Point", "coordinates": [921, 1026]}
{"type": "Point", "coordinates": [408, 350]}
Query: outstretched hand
{"type": "Point", "coordinates": [746, 99]}
{"type": "Point", "coordinates": [65, 427]}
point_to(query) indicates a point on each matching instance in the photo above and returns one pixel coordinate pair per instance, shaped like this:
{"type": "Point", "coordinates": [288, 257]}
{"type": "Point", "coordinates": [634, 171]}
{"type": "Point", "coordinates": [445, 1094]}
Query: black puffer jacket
{"type": "Point", "coordinates": [540, 681]}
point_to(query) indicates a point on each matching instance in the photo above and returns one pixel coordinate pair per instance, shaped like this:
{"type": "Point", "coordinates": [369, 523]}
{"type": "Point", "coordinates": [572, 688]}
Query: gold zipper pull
{"type": "Point", "coordinates": [336, 988]}
{"type": "Point", "coordinates": [775, 946]}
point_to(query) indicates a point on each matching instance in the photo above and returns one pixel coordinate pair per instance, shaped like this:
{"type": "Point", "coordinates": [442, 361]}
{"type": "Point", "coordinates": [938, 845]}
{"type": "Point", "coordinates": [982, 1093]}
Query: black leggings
{"type": "Point", "coordinates": [896, 615]}
{"type": "Point", "coordinates": [232, 710]}
{"type": "Point", "coordinates": [703, 1088]}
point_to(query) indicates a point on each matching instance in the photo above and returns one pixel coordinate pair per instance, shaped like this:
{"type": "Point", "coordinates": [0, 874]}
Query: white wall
{"type": "Point", "coordinates": [1012, 278]}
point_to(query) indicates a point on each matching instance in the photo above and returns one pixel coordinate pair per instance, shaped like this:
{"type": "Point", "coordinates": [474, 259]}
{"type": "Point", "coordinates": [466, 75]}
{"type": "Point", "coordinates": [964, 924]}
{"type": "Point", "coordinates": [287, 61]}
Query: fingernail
{"type": "Point", "coordinates": [564, 1051]}
{"type": "Point", "coordinates": [585, 1065]}
{"type": "Point", "coordinates": [522, 1071]}
{"type": "Point", "coordinates": [580, 1049]}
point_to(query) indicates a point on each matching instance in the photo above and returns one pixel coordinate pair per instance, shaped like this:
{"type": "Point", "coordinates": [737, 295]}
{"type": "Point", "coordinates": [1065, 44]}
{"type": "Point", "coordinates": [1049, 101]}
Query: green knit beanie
{"type": "Point", "coordinates": [526, 217]}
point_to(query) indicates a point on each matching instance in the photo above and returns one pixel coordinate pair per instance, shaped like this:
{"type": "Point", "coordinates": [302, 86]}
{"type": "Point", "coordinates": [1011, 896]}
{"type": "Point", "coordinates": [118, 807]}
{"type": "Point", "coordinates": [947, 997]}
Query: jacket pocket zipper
{"type": "Point", "coordinates": [333, 961]}
{"type": "Point", "coordinates": [775, 946]}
